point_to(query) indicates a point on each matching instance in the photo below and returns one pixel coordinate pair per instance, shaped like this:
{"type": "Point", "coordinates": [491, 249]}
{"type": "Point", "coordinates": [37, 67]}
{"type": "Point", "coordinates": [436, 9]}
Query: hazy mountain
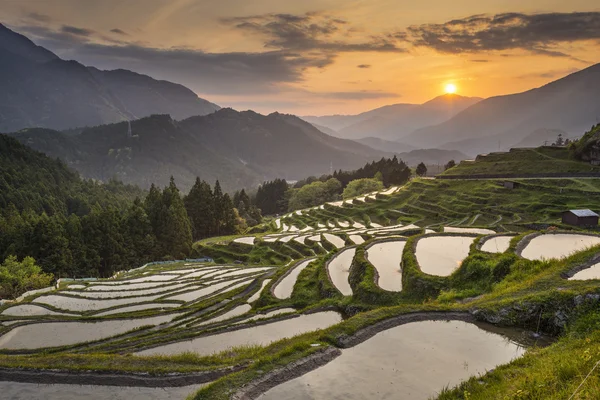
{"type": "Point", "coordinates": [41, 90]}
{"type": "Point", "coordinates": [431, 156]}
{"type": "Point", "coordinates": [542, 137]}
{"type": "Point", "coordinates": [238, 148]}
{"type": "Point", "coordinates": [397, 120]}
{"type": "Point", "coordinates": [569, 104]}
{"type": "Point", "coordinates": [385, 145]}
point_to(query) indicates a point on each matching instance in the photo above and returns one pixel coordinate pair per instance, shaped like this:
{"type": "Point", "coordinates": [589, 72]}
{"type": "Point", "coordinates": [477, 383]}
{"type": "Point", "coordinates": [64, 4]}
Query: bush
{"type": "Point", "coordinates": [362, 186]}
{"type": "Point", "coordinates": [17, 277]}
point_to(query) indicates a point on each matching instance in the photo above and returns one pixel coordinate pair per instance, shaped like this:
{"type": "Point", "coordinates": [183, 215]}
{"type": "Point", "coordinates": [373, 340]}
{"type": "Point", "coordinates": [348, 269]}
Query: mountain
{"type": "Point", "coordinates": [431, 156]}
{"type": "Point", "coordinates": [397, 120]}
{"type": "Point", "coordinates": [39, 89]}
{"type": "Point", "coordinates": [541, 137]}
{"type": "Point", "coordinates": [385, 145]}
{"type": "Point", "coordinates": [241, 149]}
{"type": "Point", "coordinates": [569, 104]}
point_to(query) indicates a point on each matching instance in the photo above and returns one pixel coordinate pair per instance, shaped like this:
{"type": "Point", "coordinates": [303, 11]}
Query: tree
{"type": "Point", "coordinates": [140, 241]}
{"type": "Point", "coordinates": [449, 165]}
{"type": "Point", "coordinates": [361, 186]}
{"type": "Point", "coordinates": [379, 176]}
{"type": "Point", "coordinates": [421, 169]}
{"type": "Point", "coordinates": [199, 204]}
{"type": "Point", "coordinates": [559, 140]}
{"type": "Point", "coordinates": [175, 236]}
{"type": "Point", "coordinates": [17, 277]}
{"type": "Point", "coordinates": [271, 197]}
{"type": "Point", "coordinates": [314, 194]}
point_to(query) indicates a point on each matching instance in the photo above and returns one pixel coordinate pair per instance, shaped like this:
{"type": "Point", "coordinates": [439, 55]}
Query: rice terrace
{"type": "Point", "coordinates": [318, 200]}
{"type": "Point", "coordinates": [299, 308]}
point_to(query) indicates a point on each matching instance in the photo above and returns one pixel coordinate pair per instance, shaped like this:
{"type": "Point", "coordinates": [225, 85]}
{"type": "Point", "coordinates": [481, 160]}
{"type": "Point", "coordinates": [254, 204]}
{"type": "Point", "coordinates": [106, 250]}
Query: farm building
{"type": "Point", "coordinates": [511, 185]}
{"type": "Point", "coordinates": [580, 218]}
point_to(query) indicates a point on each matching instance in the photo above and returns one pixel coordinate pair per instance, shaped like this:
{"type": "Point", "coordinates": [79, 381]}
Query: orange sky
{"type": "Point", "coordinates": [304, 57]}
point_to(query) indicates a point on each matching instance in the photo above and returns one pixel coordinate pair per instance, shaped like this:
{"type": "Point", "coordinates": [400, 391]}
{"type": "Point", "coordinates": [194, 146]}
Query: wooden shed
{"type": "Point", "coordinates": [580, 218]}
{"type": "Point", "coordinates": [511, 184]}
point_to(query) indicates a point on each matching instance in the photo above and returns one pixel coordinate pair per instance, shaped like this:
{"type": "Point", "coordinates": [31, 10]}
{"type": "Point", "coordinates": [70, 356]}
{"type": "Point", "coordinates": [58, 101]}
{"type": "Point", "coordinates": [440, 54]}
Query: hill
{"type": "Point", "coordinates": [385, 145]}
{"type": "Point", "coordinates": [568, 104]}
{"type": "Point", "coordinates": [544, 160]}
{"type": "Point", "coordinates": [397, 120]}
{"type": "Point", "coordinates": [41, 90]}
{"type": "Point", "coordinates": [241, 149]}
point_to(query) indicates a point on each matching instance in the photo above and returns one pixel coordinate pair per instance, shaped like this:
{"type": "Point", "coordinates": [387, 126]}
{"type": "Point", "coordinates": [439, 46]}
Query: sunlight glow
{"type": "Point", "coordinates": [450, 88]}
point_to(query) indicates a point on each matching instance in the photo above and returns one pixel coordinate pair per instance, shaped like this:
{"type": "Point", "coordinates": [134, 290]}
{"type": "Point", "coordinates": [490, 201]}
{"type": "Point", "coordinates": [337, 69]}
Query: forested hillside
{"type": "Point", "coordinates": [75, 227]}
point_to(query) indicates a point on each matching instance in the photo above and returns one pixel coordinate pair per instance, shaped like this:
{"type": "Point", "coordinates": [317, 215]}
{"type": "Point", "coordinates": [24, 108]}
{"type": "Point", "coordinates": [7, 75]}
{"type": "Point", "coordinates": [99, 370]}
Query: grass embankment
{"type": "Point", "coordinates": [479, 203]}
{"type": "Point", "coordinates": [546, 160]}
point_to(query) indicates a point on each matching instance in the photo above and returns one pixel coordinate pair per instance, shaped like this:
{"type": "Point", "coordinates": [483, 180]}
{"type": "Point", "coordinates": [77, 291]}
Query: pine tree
{"type": "Point", "coordinates": [175, 235]}
{"type": "Point", "coordinates": [199, 204]}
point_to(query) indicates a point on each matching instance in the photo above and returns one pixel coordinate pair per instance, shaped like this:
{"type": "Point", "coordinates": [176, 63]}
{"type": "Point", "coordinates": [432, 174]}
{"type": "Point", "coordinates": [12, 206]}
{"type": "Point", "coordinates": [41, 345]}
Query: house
{"type": "Point", "coordinates": [511, 185]}
{"type": "Point", "coordinates": [585, 218]}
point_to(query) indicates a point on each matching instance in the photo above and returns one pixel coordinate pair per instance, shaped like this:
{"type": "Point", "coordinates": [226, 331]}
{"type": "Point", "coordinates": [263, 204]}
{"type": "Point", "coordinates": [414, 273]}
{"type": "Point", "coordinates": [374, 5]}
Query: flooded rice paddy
{"type": "Point", "coordinates": [53, 334]}
{"type": "Point", "coordinates": [258, 335]}
{"type": "Point", "coordinates": [34, 391]}
{"type": "Point", "coordinates": [284, 288]}
{"type": "Point", "coordinates": [592, 272]}
{"type": "Point", "coordinates": [479, 231]}
{"type": "Point", "coordinates": [339, 270]}
{"type": "Point", "coordinates": [413, 362]}
{"type": "Point", "coordinates": [256, 295]}
{"type": "Point", "coordinates": [386, 258]}
{"type": "Point", "coordinates": [497, 244]}
{"type": "Point", "coordinates": [442, 255]}
{"type": "Point", "coordinates": [557, 245]}
{"type": "Point", "coordinates": [337, 241]}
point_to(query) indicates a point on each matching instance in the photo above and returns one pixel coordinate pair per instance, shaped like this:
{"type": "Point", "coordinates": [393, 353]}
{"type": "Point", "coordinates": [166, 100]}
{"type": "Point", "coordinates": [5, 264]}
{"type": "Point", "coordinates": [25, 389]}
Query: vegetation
{"type": "Point", "coordinates": [421, 169]}
{"type": "Point", "coordinates": [314, 194]}
{"type": "Point", "coordinates": [541, 160]}
{"type": "Point", "coordinates": [361, 186]}
{"type": "Point", "coordinates": [17, 277]}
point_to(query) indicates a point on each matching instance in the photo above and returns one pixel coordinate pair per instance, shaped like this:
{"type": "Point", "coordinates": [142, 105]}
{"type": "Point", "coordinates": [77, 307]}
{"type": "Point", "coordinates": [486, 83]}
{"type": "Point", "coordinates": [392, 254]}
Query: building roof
{"type": "Point", "coordinates": [584, 213]}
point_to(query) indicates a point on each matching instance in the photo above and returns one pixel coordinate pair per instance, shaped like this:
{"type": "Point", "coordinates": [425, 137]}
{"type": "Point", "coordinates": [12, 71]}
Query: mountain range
{"type": "Point", "coordinates": [568, 105]}
{"type": "Point", "coordinates": [241, 149]}
{"type": "Point", "coordinates": [39, 89]}
{"type": "Point", "coordinates": [396, 120]}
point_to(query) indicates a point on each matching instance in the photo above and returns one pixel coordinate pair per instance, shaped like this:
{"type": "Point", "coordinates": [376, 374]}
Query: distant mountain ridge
{"type": "Point", "coordinates": [569, 104]}
{"type": "Point", "coordinates": [395, 121]}
{"type": "Point", "coordinates": [39, 89]}
{"type": "Point", "coordinates": [241, 149]}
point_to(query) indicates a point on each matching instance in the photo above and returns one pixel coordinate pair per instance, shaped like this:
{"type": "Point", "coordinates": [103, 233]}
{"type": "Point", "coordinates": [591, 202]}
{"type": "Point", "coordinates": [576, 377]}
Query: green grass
{"type": "Point", "coordinates": [524, 161]}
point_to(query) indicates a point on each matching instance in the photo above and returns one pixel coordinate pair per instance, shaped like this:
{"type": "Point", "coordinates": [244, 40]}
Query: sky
{"type": "Point", "coordinates": [321, 57]}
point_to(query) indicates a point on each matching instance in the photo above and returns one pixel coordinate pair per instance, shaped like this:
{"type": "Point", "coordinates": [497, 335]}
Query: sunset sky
{"type": "Point", "coordinates": [321, 57]}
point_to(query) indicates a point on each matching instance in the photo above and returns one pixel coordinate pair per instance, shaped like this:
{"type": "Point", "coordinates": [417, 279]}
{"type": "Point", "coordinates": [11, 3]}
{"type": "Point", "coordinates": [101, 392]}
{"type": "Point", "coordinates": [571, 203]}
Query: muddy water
{"type": "Point", "coordinates": [196, 294]}
{"type": "Point", "coordinates": [245, 240]}
{"type": "Point", "coordinates": [413, 361]}
{"type": "Point", "coordinates": [259, 335]}
{"type": "Point", "coordinates": [334, 240]}
{"type": "Point", "coordinates": [27, 310]}
{"type": "Point", "coordinates": [284, 289]}
{"type": "Point", "coordinates": [35, 336]}
{"type": "Point", "coordinates": [357, 239]}
{"type": "Point", "coordinates": [442, 255]}
{"type": "Point", "coordinates": [34, 391]}
{"type": "Point", "coordinates": [234, 312]}
{"type": "Point", "coordinates": [77, 304]}
{"type": "Point", "coordinates": [478, 231]}
{"type": "Point", "coordinates": [152, 306]}
{"type": "Point", "coordinates": [386, 258]}
{"type": "Point", "coordinates": [256, 295]}
{"type": "Point", "coordinates": [106, 294]}
{"type": "Point", "coordinates": [557, 245]}
{"type": "Point", "coordinates": [497, 244]}
{"type": "Point", "coordinates": [592, 272]}
{"type": "Point", "coordinates": [339, 271]}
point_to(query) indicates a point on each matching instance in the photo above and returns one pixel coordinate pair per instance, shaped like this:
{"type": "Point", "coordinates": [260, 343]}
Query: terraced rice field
{"type": "Point", "coordinates": [557, 245]}
{"type": "Point", "coordinates": [442, 255]}
{"type": "Point", "coordinates": [339, 271]}
{"type": "Point", "coordinates": [386, 258]}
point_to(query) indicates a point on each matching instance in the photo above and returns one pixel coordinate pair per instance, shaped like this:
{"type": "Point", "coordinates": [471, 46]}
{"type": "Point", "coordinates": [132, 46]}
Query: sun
{"type": "Point", "coordinates": [450, 88]}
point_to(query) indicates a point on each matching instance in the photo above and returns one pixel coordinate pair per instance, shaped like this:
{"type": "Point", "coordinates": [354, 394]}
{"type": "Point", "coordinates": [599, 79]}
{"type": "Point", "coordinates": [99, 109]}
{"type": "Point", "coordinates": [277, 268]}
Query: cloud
{"type": "Point", "coordinates": [480, 61]}
{"type": "Point", "coordinates": [310, 32]}
{"type": "Point", "coordinates": [551, 74]}
{"type": "Point", "coordinates": [119, 32]}
{"type": "Point", "coordinates": [536, 33]}
{"type": "Point", "coordinates": [38, 17]}
{"type": "Point", "coordinates": [363, 66]}
{"type": "Point", "coordinates": [73, 30]}
{"type": "Point", "coordinates": [357, 95]}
